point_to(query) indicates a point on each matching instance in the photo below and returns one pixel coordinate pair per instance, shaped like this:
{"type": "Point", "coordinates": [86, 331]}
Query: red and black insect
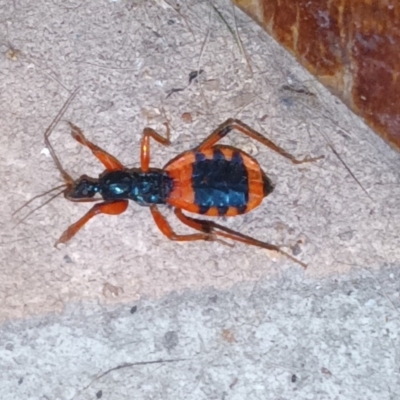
{"type": "Point", "coordinates": [211, 179]}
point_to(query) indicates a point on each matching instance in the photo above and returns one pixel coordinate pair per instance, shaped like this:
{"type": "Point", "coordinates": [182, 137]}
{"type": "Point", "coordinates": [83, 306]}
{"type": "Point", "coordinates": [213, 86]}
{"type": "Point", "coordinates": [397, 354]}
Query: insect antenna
{"type": "Point", "coordinates": [37, 197]}
{"type": "Point", "coordinates": [41, 205]}
{"type": "Point", "coordinates": [66, 177]}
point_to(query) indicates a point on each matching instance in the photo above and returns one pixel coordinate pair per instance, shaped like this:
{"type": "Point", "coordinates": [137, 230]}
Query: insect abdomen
{"type": "Point", "coordinates": [218, 181]}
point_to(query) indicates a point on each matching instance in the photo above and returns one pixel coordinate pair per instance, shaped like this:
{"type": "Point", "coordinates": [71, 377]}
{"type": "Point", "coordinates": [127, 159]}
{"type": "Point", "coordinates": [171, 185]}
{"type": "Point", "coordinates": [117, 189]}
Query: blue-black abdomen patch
{"type": "Point", "coordinates": [220, 183]}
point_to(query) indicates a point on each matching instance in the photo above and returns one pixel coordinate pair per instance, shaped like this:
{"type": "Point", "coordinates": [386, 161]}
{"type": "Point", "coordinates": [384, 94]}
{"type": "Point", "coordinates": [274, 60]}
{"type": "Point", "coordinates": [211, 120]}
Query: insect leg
{"type": "Point", "coordinates": [231, 124]}
{"type": "Point", "coordinates": [109, 161]}
{"type": "Point", "coordinates": [108, 207]}
{"type": "Point", "coordinates": [166, 229]}
{"type": "Point", "coordinates": [219, 230]}
{"type": "Point", "coordinates": [145, 145]}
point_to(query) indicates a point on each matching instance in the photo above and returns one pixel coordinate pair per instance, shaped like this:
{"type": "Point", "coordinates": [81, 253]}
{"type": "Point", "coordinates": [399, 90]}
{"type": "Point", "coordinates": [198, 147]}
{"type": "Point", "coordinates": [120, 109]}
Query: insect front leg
{"type": "Point", "coordinates": [108, 207]}
{"type": "Point", "coordinates": [108, 160]}
{"type": "Point", "coordinates": [145, 145]}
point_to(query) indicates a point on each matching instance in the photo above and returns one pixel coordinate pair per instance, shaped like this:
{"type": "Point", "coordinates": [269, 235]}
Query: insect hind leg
{"type": "Point", "coordinates": [166, 229]}
{"type": "Point", "coordinates": [236, 124]}
{"type": "Point", "coordinates": [212, 228]}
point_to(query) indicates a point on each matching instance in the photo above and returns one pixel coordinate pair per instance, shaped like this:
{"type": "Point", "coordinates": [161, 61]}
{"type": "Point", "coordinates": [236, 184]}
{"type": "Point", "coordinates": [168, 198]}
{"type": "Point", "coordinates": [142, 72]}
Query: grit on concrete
{"type": "Point", "coordinates": [212, 321]}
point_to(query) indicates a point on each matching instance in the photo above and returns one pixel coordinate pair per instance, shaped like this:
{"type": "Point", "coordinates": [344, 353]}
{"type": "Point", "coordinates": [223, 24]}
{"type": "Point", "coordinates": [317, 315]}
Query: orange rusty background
{"type": "Point", "coordinates": [351, 46]}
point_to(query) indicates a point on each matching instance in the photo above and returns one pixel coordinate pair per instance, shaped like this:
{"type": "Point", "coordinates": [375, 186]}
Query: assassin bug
{"type": "Point", "coordinates": [213, 180]}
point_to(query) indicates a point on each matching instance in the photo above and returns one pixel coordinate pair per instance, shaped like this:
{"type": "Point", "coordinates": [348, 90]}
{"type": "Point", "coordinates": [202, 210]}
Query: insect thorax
{"type": "Point", "coordinates": [145, 188]}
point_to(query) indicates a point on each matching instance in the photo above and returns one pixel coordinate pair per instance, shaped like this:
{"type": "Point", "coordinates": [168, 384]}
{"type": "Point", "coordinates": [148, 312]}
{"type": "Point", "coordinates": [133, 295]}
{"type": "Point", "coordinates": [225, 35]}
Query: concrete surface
{"type": "Point", "coordinates": [127, 56]}
{"type": "Point", "coordinates": [287, 338]}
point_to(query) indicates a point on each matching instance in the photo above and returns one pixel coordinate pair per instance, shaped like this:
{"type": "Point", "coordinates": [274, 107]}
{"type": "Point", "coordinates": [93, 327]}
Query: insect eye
{"type": "Point", "coordinates": [84, 188]}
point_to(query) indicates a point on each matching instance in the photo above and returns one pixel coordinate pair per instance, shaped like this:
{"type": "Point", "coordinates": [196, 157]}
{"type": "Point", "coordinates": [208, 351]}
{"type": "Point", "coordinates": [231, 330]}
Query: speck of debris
{"type": "Point", "coordinates": [228, 336]}
{"type": "Point", "coordinates": [133, 309]}
{"type": "Point", "coordinates": [99, 394]}
{"type": "Point", "coordinates": [187, 117]}
{"type": "Point", "coordinates": [194, 74]}
{"type": "Point", "coordinates": [234, 382]}
{"type": "Point", "coordinates": [346, 236]}
{"type": "Point", "coordinates": [296, 249]}
{"type": "Point", "coordinates": [171, 22]}
{"type": "Point", "coordinates": [13, 54]}
{"type": "Point", "coordinates": [68, 259]}
{"type": "Point", "coordinates": [20, 380]}
{"type": "Point", "coordinates": [174, 91]}
{"type": "Point", "coordinates": [9, 347]}
{"type": "Point", "coordinates": [370, 303]}
{"type": "Point", "coordinates": [326, 371]}
{"type": "Point", "coordinates": [213, 299]}
{"type": "Point", "coordinates": [298, 90]}
{"type": "Point", "coordinates": [170, 340]}
{"type": "Point", "coordinates": [294, 378]}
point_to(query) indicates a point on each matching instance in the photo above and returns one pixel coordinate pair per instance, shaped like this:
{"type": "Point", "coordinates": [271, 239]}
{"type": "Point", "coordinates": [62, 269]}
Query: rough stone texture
{"type": "Point", "coordinates": [126, 57]}
{"type": "Point", "coordinates": [351, 46]}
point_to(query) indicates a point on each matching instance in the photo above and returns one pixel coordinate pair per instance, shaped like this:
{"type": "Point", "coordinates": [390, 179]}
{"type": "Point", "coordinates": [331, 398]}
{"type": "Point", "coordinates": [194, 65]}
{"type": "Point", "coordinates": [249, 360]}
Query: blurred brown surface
{"type": "Point", "coordinates": [351, 46]}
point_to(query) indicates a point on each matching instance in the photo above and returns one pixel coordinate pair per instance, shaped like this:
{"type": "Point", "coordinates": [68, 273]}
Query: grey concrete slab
{"type": "Point", "coordinates": [285, 338]}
